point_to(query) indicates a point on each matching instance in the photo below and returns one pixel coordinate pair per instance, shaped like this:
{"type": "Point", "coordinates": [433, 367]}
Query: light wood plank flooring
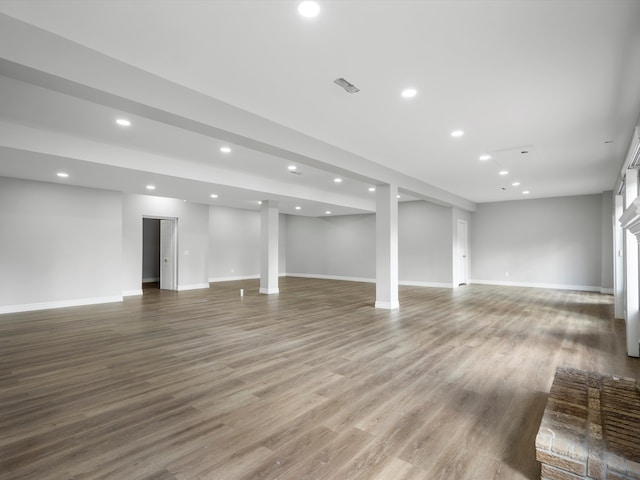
{"type": "Point", "coordinates": [312, 383]}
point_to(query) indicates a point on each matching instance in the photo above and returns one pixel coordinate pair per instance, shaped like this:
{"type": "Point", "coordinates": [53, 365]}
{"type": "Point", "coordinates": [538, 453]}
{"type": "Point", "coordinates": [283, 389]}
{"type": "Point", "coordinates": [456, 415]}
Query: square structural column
{"type": "Point", "coordinates": [269, 217]}
{"type": "Point", "coordinates": [387, 247]}
{"type": "Point", "coordinates": [632, 294]}
{"type": "Point", "coordinates": [618, 258]}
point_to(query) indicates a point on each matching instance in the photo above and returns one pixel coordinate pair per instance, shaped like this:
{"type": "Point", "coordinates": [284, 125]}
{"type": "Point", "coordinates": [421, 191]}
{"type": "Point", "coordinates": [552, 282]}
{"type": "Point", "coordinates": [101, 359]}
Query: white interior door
{"type": "Point", "coordinates": [169, 254]}
{"type": "Point", "coordinates": [463, 257]}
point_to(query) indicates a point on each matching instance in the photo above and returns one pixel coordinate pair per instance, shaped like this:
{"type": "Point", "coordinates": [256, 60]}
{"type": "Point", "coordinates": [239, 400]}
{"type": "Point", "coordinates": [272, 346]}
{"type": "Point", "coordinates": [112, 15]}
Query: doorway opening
{"type": "Point", "coordinates": [159, 254]}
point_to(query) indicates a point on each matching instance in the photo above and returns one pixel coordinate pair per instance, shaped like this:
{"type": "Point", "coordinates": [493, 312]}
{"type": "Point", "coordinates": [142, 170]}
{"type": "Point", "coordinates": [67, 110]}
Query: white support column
{"type": "Point", "coordinates": [387, 247]}
{"type": "Point", "coordinates": [618, 258]}
{"type": "Point", "coordinates": [269, 247]}
{"type": "Point", "coordinates": [632, 314]}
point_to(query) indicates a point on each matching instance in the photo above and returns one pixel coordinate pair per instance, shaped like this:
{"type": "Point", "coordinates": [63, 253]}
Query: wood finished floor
{"type": "Point", "coordinates": [312, 383]}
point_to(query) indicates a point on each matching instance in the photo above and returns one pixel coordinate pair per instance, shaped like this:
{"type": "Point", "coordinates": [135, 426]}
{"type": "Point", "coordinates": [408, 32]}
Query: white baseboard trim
{"type": "Point", "coordinates": [606, 291]}
{"type": "Point", "coordinates": [132, 293]}
{"type": "Point", "coordinates": [193, 286]}
{"type": "Point", "coordinates": [554, 286]}
{"type": "Point", "coordinates": [28, 307]}
{"type": "Point", "coordinates": [388, 305]}
{"type": "Point", "coordinates": [332, 277]}
{"type": "Point", "coordinates": [233, 279]}
{"type": "Point", "coordinates": [150, 279]}
{"type": "Point", "coordinates": [269, 291]}
{"type": "Point", "coordinates": [410, 283]}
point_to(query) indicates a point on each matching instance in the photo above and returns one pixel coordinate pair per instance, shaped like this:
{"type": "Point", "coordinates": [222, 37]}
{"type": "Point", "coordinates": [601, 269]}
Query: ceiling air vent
{"type": "Point", "coordinates": [349, 87]}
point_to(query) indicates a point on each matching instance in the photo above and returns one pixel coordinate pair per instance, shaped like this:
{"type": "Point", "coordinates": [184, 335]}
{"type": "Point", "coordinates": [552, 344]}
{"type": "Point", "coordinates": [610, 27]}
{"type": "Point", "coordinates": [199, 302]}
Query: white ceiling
{"type": "Point", "coordinates": [556, 79]}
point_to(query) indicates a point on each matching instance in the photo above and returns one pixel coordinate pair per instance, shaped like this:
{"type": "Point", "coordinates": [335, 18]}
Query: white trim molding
{"type": "Point", "coordinates": [388, 305]}
{"type": "Point", "coordinates": [132, 293]}
{"type": "Point", "coordinates": [553, 286]}
{"type": "Point", "coordinates": [630, 219]}
{"type": "Point", "coordinates": [29, 307]}
{"type": "Point", "coordinates": [269, 291]}
{"type": "Point", "coordinates": [233, 278]}
{"type": "Point", "coordinates": [410, 283]}
{"type": "Point", "coordinates": [193, 286]}
{"type": "Point", "coordinates": [332, 277]}
{"type": "Point", "coordinates": [606, 291]}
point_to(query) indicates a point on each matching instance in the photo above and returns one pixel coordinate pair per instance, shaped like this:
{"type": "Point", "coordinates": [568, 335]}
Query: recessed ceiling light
{"type": "Point", "coordinates": [485, 157]}
{"type": "Point", "coordinates": [457, 133]}
{"type": "Point", "coordinates": [409, 93]}
{"type": "Point", "coordinates": [62, 174]}
{"type": "Point", "coordinates": [225, 149]}
{"type": "Point", "coordinates": [298, 208]}
{"type": "Point", "coordinates": [526, 192]}
{"type": "Point", "coordinates": [123, 122]}
{"type": "Point", "coordinates": [213, 195]}
{"type": "Point", "coordinates": [309, 9]}
{"type": "Point", "coordinates": [337, 180]}
{"type": "Point", "coordinates": [515, 184]}
{"type": "Point", "coordinates": [372, 189]}
{"type": "Point", "coordinates": [259, 202]}
{"type": "Point", "coordinates": [397, 196]}
{"type": "Point", "coordinates": [503, 172]}
{"type": "Point", "coordinates": [328, 212]}
{"type": "Point", "coordinates": [292, 168]}
{"type": "Point", "coordinates": [151, 187]}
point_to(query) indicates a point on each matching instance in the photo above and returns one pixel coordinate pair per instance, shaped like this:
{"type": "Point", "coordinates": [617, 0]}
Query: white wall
{"type": "Point", "coordinates": [606, 274]}
{"type": "Point", "coordinates": [344, 246]}
{"type": "Point", "coordinates": [59, 245]}
{"type": "Point", "coordinates": [554, 242]}
{"type": "Point", "coordinates": [193, 239]}
{"type": "Point", "coordinates": [234, 244]}
{"type": "Point", "coordinates": [425, 244]}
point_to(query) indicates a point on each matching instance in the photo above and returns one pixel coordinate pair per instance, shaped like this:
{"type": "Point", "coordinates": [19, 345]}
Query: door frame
{"type": "Point", "coordinates": [172, 282]}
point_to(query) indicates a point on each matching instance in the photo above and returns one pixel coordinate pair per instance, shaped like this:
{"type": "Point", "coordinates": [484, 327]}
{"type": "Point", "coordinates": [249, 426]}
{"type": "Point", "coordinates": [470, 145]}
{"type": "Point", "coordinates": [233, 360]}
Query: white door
{"type": "Point", "coordinates": [463, 257]}
{"type": "Point", "coordinates": [168, 254]}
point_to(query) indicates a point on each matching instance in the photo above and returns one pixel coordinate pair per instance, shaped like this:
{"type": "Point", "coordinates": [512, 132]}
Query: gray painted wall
{"type": "Point", "coordinates": [193, 239]}
{"type": "Point", "coordinates": [551, 241]}
{"type": "Point", "coordinates": [606, 274]}
{"type": "Point", "coordinates": [234, 243]}
{"type": "Point", "coordinates": [336, 246]}
{"type": "Point", "coordinates": [150, 250]}
{"type": "Point", "coordinates": [344, 246]}
{"type": "Point", "coordinates": [58, 243]}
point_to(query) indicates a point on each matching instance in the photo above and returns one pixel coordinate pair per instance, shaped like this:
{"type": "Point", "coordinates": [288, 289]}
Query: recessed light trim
{"type": "Point", "coordinates": [337, 180]}
{"type": "Point", "coordinates": [485, 156]}
{"type": "Point", "coordinates": [213, 195]}
{"type": "Point", "coordinates": [515, 184]}
{"type": "Point", "coordinates": [309, 9]}
{"type": "Point", "coordinates": [503, 172]}
{"type": "Point", "coordinates": [526, 192]}
{"type": "Point", "coordinates": [457, 133]}
{"type": "Point", "coordinates": [123, 122]}
{"type": "Point", "coordinates": [291, 168]}
{"type": "Point", "coordinates": [151, 187]}
{"type": "Point", "coordinates": [409, 93]}
{"type": "Point", "coordinates": [225, 149]}
{"type": "Point", "coordinates": [328, 212]}
{"type": "Point", "coordinates": [372, 189]}
{"type": "Point", "coordinates": [298, 208]}
{"type": "Point", "coordinates": [62, 175]}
